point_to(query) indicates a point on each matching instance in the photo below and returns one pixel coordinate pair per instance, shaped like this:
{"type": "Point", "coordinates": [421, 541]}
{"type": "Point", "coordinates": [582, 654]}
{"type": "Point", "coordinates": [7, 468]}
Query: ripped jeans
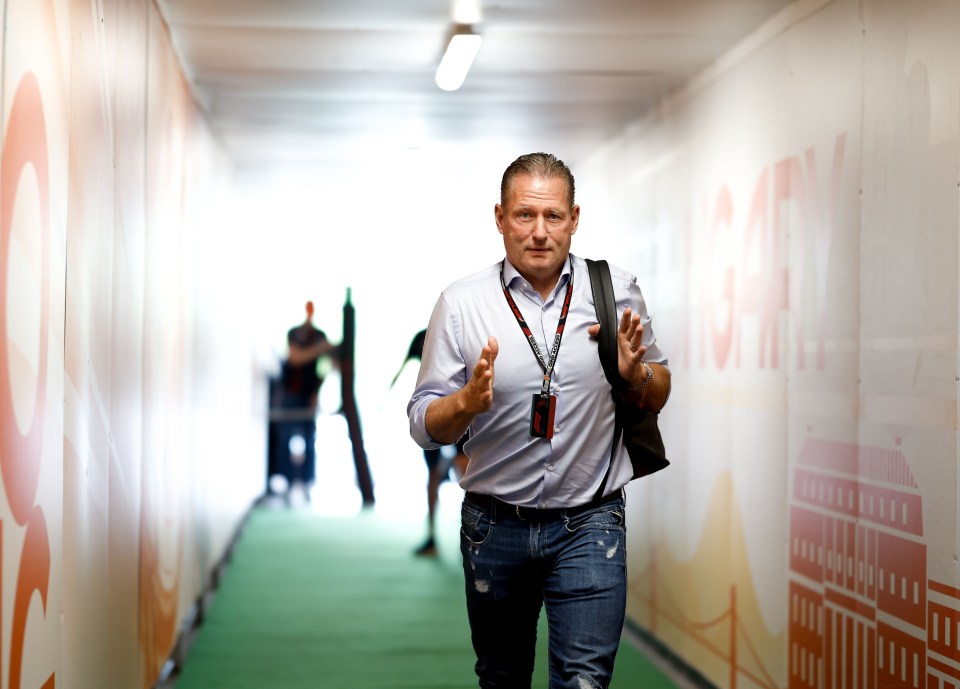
{"type": "Point", "coordinates": [575, 566]}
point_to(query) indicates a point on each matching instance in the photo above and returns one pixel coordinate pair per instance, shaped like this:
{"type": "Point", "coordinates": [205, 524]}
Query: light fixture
{"type": "Point", "coordinates": [467, 12]}
{"type": "Point", "coordinates": [462, 48]}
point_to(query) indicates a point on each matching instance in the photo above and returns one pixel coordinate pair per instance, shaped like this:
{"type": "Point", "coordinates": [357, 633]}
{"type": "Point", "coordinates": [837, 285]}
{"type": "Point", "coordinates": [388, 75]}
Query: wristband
{"type": "Point", "coordinates": [646, 381]}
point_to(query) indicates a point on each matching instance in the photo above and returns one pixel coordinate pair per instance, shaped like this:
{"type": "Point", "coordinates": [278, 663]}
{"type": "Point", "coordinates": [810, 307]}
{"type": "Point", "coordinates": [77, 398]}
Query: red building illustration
{"type": "Point", "coordinates": [943, 637]}
{"type": "Point", "coordinates": [858, 588]}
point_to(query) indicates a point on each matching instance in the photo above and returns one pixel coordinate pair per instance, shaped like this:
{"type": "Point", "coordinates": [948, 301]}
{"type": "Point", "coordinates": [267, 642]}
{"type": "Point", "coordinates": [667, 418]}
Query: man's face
{"type": "Point", "coordinates": [537, 222]}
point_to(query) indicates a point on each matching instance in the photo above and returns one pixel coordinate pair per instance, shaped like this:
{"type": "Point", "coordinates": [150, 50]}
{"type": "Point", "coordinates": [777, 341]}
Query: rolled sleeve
{"type": "Point", "coordinates": [636, 302]}
{"type": "Point", "coordinates": [442, 372]}
{"type": "Point", "coordinates": [634, 299]}
{"type": "Point", "coordinates": [417, 413]}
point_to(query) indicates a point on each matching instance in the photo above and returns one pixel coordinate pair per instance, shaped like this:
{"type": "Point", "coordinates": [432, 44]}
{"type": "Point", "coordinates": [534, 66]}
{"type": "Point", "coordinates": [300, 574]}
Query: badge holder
{"type": "Point", "coordinates": [541, 416]}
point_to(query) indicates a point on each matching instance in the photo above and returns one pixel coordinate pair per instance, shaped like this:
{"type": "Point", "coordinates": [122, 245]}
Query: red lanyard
{"type": "Point", "coordinates": [547, 366]}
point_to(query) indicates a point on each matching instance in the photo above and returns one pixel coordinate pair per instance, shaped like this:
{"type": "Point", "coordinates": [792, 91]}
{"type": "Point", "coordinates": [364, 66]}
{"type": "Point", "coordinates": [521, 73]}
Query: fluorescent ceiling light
{"type": "Point", "coordinates": [457, 58]}
{"type": "Point", "coordinates": [467, 11]}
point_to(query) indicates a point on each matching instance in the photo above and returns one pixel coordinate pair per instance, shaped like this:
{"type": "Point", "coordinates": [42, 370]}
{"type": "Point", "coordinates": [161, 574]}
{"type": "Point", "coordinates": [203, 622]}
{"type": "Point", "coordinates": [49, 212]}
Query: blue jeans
{"type": "Point", "coordinates": [573, 564]}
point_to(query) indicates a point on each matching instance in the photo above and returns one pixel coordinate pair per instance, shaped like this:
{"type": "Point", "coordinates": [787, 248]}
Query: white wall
{"type": "Point", "coordinates": [792, 216]}
{"type": "Point", "coordinates": [131, 407]}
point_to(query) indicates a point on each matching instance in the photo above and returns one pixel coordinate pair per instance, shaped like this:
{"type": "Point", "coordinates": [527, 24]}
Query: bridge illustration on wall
{"type": "Point", "coordinates": [862, 613]}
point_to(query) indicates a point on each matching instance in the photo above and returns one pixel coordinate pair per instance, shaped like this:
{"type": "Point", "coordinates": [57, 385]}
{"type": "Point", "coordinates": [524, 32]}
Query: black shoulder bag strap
{"type": "Point", "coordinates": [606, 307]}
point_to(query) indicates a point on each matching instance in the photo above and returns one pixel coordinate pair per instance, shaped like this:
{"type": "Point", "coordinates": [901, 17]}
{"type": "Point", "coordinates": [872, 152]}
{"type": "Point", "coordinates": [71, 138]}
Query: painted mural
{"type": "Point", "coordinates": [798, 248]}
{"type": "Point", "coordinates": [102, 547]}
{"type": "Point", "coordinates": [24, 371]}
{"type": "Point", "coordinates": [32, 192]}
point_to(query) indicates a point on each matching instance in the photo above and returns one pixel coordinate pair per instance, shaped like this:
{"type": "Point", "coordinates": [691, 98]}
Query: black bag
{"type": "Point", "coordinates": [641, 435]}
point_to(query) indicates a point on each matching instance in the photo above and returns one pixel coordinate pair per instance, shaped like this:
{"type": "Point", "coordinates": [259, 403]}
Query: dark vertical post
{"type": "Point", "coordinates": [349, 403]}
{"type": "Point", "coordinates": [733, 637]}
{"type": "Point", "coordinates": [653, 590]}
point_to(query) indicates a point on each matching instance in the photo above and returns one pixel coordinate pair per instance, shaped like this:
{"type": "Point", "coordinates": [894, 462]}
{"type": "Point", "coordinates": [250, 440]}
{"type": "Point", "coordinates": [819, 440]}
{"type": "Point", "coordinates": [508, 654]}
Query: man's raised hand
{"type": "Point", "coordinates": [479, 389]}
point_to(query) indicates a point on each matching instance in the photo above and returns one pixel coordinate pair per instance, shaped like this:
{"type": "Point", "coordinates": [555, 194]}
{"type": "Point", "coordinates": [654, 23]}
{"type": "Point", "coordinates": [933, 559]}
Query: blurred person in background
{"type": "Point", "coordinates": [298, 391]}
{"type": "Point", "coordinates": [441, 461]}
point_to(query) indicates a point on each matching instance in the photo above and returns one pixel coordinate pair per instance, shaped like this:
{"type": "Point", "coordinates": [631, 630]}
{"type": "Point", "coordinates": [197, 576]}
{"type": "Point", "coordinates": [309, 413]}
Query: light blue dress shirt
{"type": "Point", "coordinates": [505, 461]}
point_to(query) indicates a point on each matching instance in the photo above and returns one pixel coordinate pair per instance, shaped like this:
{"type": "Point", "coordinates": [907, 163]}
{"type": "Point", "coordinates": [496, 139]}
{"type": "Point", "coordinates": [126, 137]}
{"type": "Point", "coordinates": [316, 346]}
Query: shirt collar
{"type": "Point", "coordinates": [510, 273]}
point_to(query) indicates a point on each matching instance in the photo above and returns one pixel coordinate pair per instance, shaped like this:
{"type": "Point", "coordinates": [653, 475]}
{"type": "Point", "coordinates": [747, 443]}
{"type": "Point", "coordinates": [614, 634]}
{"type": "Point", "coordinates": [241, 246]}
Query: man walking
{"type": "Point", "coordinates": [511, 355]}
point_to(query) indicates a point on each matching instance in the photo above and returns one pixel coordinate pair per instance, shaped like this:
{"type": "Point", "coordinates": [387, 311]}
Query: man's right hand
{"type": "Point", "coordinates": [447, 418]}
{"type": "Point", "coordinates": [478, 392]}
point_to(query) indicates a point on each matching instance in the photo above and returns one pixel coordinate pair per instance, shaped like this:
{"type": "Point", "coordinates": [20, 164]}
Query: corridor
{"type": "Point", "coordinates": [779, 181]}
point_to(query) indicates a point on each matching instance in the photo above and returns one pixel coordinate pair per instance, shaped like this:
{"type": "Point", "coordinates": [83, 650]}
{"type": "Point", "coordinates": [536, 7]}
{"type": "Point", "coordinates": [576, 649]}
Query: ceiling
{"type": "Point", "coordinates": [323, 80]}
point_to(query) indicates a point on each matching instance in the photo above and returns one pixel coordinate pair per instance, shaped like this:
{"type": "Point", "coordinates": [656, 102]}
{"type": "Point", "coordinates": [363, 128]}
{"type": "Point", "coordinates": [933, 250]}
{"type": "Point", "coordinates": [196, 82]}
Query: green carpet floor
{"type": "Point", "coordinates": [313, 601]}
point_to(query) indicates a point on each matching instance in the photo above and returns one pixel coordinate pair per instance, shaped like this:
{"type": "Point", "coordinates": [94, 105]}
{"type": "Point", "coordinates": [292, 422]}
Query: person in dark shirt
{"type": "Point", "coordinates": [300, 384]}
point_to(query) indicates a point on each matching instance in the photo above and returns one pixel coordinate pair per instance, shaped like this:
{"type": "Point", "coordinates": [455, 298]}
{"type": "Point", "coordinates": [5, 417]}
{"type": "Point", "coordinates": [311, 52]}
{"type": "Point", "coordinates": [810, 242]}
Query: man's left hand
{"type": "Point", "coordinates": [629, 348]}
{"type": "Point", "coordinates": [630, 351]}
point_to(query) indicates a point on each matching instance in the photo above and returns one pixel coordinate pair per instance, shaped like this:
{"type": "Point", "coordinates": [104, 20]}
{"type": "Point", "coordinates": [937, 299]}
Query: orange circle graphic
{"type": "Point", "coordinates": [25, 143]}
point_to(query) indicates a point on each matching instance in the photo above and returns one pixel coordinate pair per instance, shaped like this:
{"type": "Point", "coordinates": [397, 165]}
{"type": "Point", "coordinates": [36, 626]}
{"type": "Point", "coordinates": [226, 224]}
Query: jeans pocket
{"type": "Point", "coordinates": [475, 524]}
{"type": "Point", "coordinates": [606, 517]}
